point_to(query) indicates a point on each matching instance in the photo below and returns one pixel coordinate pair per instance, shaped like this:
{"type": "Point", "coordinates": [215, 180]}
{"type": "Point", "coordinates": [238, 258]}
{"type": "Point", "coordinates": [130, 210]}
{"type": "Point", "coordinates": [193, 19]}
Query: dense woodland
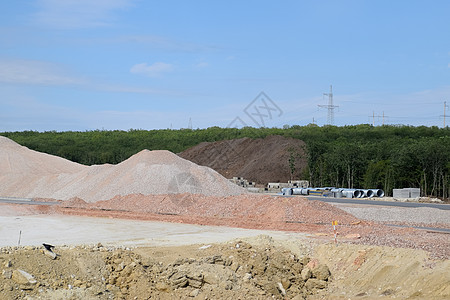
{"type": "Point", "coordinates": [360, 156]}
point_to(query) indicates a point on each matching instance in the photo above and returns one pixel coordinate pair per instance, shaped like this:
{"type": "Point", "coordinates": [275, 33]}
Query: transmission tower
{"type": "Point", "coordinates": [330, 106]}
{"type": "Point", "coordinates": [373, 116]}
{"type": "Point", "coordinates": [445, 108]}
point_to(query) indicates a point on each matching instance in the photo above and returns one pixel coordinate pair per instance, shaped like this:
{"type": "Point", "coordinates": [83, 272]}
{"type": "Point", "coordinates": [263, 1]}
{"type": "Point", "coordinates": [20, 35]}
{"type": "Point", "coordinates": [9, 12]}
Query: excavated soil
{"type": "Point", "coordinates": [254, 268]}
{"type": "Point", "coordinates": [235, 270]}
{"type": "Point", "coordinates": [259, 160]}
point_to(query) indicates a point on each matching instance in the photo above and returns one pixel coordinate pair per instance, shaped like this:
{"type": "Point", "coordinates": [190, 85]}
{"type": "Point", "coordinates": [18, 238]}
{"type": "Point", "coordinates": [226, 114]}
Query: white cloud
{"type": "Point", "coordinates": [34, 72]}
{"type": "Point", "coordinates": [43, 73]}
{"type": "Point", "coordinates": [118, 88]}
{"type": "Point", "coordinates": [168, 43]}
{"type": "Point", "coordinates": [69, 14]}
{"type": "Point", "coordinates": [202, 65]}
{"type": "Point", "coordinates": [153, 70]}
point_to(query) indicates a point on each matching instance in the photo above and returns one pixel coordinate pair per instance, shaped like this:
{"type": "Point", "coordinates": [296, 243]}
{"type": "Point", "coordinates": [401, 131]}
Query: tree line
{"type": "Point", "coordinates": [359, 156]}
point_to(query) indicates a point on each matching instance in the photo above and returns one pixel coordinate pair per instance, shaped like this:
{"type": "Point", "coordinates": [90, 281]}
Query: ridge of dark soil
{"type": "Point", "coordinates": [259, 160]}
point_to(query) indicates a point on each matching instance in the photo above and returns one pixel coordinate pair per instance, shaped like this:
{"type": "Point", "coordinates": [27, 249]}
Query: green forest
{"type": "Point", "coordinates": [359, 156]}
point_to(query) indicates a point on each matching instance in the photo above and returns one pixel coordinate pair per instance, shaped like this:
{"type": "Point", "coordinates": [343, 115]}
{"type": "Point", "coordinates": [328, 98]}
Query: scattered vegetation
{"type": "Point", "coordinates": [357, 156]}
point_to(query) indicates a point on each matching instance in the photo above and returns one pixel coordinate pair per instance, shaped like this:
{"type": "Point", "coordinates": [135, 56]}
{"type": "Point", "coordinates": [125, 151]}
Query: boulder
{"type": "Point", "coordinates": [306, 274]}
{"type": "Point", "coordinates": [313, 284]}
{"type": "Point", "coordinates": [22, 277]}
{"type": "Point", "coordinates": [321, 272]}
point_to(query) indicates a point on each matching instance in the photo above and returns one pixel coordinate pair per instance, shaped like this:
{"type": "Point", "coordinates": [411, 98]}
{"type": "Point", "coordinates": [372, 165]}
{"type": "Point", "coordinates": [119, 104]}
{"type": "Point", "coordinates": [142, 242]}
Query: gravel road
{"type": "Point", "coordinates": [390, 214]}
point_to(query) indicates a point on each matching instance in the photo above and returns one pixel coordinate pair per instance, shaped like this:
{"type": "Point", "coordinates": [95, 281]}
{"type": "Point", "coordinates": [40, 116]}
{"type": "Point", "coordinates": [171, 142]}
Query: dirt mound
{"type": "Point", "coordinates": [27, 173]}
{"type": "Point", "coordinates": [259, 160]}
{"type": "Point", "coordinates": [222, 271]}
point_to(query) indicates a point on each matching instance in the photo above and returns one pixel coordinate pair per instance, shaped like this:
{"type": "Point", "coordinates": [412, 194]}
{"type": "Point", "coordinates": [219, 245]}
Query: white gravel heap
{"type": "Point", "coordinates": [32, 174]}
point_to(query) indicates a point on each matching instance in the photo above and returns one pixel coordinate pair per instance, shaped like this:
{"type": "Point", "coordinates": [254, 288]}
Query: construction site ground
{"type": "Point", "coordinates": [108, 253]}
{"type": "Point", "coordinates": [157, 226]}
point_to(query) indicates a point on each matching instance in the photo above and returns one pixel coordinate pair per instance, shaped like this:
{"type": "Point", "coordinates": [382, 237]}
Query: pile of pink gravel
{"type": "Point", "coordinates": [31, 174]}
{"type": "Point", "coordinates": [260, 208]}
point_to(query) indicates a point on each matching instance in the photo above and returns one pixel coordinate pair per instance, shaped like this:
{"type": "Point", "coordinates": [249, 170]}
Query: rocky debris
{"type": "Point", "coordinates": [230, 270]}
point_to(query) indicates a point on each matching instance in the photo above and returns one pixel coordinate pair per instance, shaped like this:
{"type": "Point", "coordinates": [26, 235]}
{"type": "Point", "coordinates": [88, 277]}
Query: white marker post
{"type": "Point", "coordinates": [334, 223]}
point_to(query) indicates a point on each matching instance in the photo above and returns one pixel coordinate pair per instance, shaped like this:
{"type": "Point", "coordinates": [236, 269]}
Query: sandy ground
{"type": "Point", "coordinates": [76, 230]}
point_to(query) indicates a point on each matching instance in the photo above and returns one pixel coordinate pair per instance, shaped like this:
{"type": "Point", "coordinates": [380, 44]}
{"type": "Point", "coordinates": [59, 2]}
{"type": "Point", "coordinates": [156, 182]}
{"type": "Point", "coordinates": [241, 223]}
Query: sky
{"type": "Point", "coordinates": [140, 64]}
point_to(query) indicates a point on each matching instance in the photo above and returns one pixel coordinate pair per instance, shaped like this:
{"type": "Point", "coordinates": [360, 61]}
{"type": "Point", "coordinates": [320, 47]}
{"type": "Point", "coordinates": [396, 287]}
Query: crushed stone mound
{"type": "Point", "coordinates": [259, 160]}
{"type": "Point", "coordinates": [28, 173]}
{"type": "Point", "coordinates": [262, 209]}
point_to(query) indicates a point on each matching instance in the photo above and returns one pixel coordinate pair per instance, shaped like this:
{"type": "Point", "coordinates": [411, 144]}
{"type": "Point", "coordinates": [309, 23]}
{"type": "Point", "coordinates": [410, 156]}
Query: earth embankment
{"type": "Point", "coordinates": [271, 159]}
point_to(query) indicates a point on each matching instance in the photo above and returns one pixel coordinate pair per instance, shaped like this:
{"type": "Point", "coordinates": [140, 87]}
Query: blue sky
{"type": "Point", "coordinates": [135, 64]}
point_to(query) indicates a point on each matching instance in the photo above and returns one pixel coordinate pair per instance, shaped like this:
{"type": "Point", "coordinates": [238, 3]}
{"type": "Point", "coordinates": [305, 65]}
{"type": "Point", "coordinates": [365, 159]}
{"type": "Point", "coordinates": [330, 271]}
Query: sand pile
{"type": "Point", "coordinates": [27, 173]}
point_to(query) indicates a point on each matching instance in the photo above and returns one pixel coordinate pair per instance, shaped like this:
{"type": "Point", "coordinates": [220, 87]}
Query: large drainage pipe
{"type": "Point", "coordinates": [351, 193]}
{"type": "Point", "coordinates": [300, 191]}
{"type": "Point", "coordinates": [378, 193]}
{"type": "Point", "coordinates": [286, 191]}
{"type": "Point", "coordinates": [337, 192]}
{"type": "Point", "coordinates": [367, 193]}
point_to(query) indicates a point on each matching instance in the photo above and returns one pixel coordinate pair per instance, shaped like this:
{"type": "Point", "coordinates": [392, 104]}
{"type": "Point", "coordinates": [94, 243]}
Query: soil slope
{"type": "Point", "coordinates": [259, 160]}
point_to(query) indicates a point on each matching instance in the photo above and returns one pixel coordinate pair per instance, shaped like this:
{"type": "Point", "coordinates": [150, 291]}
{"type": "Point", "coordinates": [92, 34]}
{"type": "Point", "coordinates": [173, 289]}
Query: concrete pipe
{"type": "Point", "coordinates": [300, 191]}
{"type": "Point", "coordinates": [368, 193]}
{"type": "Point", "coordinates": [296, 191]}
{"type": "Point", "coordinates": [286, 191]}
{"type": "Point", "coordinates": [360, 194]}
{"type": "Point", "coordinates": [351, 193]}
{"type": "Point", "coordinates": [378, 193]}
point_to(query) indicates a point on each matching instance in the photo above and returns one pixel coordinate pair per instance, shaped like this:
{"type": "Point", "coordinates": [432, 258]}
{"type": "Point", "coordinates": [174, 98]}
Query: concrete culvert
{"type": "Point", "coordinates": [378, 193]}
{"type": "Point", "coordinates": [368, 193]}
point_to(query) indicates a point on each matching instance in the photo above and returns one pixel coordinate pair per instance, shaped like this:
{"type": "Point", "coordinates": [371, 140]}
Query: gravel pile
{"type": "Point", "coordinates": [263, 209]}
{"type": "Point", "coordinates": [27, 173]}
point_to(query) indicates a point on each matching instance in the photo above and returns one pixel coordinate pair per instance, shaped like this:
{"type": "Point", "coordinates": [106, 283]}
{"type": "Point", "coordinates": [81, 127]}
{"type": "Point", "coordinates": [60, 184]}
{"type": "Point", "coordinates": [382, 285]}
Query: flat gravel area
{"type": "Point", "coordinates": [395, 214]}
{"type": "Point", "coordinates": [74, 230]}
